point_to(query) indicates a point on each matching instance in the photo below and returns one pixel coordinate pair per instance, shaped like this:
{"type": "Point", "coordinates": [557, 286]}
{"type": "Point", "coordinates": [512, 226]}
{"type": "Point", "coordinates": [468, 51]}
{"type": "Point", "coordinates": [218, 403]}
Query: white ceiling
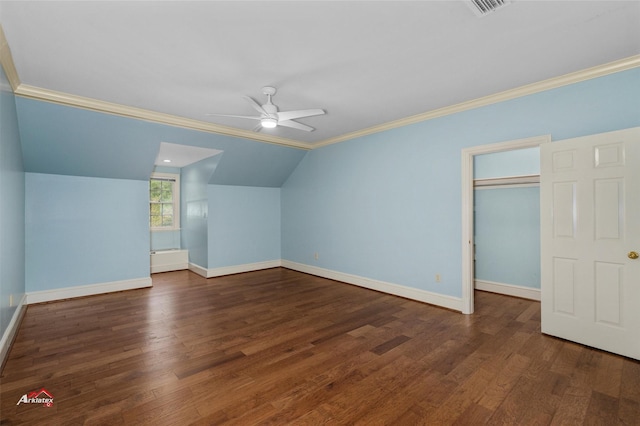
{"type": "Point", "coordinates": [365, 63]}
{"type": "Point", "coordinates": [182, 155]}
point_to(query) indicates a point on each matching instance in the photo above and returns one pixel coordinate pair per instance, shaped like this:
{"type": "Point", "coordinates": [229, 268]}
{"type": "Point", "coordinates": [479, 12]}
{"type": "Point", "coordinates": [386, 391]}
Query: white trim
{"type": "Point", "coordinates": [248, 267]}
{"type": "Point", "coordinates": [47, 95]}
{"type": "Point", "coordinates": [156, 269]}
{"type": "Point", "coordinates": [509, 289]}
{"type": "Point", "coordinates": [467, 207]}
{"type": "Point", "coordinates": [6, 60]}
{"type": "Point", "coordinates": [86, 290]}
{"type": "Point", "coordinates": [529, 89]}
{"type": "Point", "coordinates": [169, 260]}
{"type": "Point", "coordinates": [441, 300]}
{"type": "Point", "coordinates": [235, 269]}
{"type": "Point", "coordinates": [197, 269]}
{"type": "Point", "coordinates": [12, 329]}
{"type": "Point", "coordinates": [507, 181]}
{"type": "Point", "coordinates": [32, 92]}
{"type": "Point", "coordinates": [510, 186]}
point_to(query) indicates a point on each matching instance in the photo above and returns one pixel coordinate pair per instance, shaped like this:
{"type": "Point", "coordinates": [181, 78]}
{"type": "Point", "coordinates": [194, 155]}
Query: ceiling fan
{"type": "Point", "coordinates": [270, 117]}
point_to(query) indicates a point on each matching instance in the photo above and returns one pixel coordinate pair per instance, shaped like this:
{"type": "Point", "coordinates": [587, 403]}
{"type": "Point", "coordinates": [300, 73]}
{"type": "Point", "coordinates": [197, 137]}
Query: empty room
{"type": "Point", "coordinates": [320, 212]}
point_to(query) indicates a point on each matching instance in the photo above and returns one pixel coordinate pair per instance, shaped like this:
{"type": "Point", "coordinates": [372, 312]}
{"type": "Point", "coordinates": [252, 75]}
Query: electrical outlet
{"type": "Point", "coordinates": [437, 278]}
{"type": "Point", "coordinates": [315, 256]}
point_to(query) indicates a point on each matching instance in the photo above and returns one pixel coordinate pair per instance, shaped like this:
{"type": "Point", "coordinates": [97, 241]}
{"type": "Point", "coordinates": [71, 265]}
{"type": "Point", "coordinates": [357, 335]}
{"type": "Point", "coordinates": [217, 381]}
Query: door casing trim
{"type": "Point", "coordinates": [467, 206]}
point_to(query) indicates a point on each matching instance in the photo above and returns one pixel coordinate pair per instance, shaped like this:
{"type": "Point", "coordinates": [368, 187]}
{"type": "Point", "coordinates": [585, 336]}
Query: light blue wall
{"type": "Point", "coordinates": [12, 257]}
{"type": "Point", "coordinates": [82, 230]}
{"type": "Point", "coordinates": [58, 139]}
{"type": "Point", "coordinates": [388, 206]}
{"type": "Point", "coordinates": [385, 206]}
{"type": "Point", "coordinates": [63, 140]}
{"type": "Point", "coordinates": [507, 235]}
{"type": "Point", "coordinates": [518, 162]}
{"type": "Point", "coordinates": [507, 220]}
{"type": "Point", "coordinates": [165, 240]}
{"type": "Point", "coordinates": [194, 209]}
{"type": "Point", "coordinates": [244, 225]}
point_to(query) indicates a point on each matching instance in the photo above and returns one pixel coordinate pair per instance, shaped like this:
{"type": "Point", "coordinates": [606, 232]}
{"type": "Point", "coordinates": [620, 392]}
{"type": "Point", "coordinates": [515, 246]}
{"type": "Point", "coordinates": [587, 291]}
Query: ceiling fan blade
{"type": "Point", "coordinates": [290, 115]}
{"type": "Point", "coordinates": [258, 128]}
{"type": "Point", "coordinates": [255, 105]}
{"type": "Point", "coordinates": [251, 117]}
{"type": "Point", "coordinates": [295, 125]}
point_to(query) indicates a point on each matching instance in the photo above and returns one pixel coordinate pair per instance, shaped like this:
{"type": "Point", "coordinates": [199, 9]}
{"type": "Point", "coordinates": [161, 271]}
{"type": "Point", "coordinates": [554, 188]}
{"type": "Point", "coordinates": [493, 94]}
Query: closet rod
{"type": "Point", "coordinates": [511, 180]}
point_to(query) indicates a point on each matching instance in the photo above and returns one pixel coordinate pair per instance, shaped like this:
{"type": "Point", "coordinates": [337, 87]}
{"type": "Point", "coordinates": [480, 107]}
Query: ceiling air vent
{"type": "Point", "coordinates": [484, 7]}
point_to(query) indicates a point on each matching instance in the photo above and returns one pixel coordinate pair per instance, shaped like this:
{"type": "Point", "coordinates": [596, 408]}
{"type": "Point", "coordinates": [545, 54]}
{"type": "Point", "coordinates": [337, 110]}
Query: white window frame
{"type": "Point", "coordinates": [176, 201]}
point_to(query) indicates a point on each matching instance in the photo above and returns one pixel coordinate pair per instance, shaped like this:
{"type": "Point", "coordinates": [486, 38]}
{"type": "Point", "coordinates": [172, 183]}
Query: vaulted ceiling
{"type": "Point", "coordinates": [365, 63]}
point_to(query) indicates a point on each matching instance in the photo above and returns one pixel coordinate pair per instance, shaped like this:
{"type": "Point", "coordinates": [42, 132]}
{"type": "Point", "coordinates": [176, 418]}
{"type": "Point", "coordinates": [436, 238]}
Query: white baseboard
{"type": "Point", "coordinates": [442, 300]}
{"type": "Point", "coordinates": [169, 260]}
{"type": "Point", "coordinates": [248, 267]}
{"type": "Point", "coordinates": [508, 289]}
{"type": "Point", "coordinates": [235, 269]}
{"type": "Point", "coordinates": [198, 269]}
{"type": "Point", "coordinates": [11, 330]}
{"type": "Point", "coordinates": [86, 290]}
{"type": "Point", "coordinates": [155, 269]}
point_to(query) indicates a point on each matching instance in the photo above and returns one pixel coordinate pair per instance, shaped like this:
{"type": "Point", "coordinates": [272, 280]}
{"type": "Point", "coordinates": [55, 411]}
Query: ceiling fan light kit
{"type": "Point", "coordinates": [268, 123]}
{"type": "Point", "coordinates": [270, 117]}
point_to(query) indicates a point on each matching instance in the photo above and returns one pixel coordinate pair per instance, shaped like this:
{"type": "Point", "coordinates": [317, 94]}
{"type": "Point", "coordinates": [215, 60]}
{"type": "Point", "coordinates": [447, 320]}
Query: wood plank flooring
{"type": "Point", "coordinates": [281, 347]}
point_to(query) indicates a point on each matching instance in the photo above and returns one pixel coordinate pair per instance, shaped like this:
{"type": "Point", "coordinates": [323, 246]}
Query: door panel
{"type": "Point", "coordinates": [609, 285]}
{"type": "Point", "coordinates": [564, 202]}
{"type": "Point", "coordinates": [564, 284]}
{"type": "Point", "coordinates": [590, 222]}
{"type": "Point", "coordinates": [609, 207]}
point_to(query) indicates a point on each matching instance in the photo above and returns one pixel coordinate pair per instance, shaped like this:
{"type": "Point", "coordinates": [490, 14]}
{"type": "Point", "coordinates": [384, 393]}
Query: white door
{"type": "Point", "coordinates": [590, 234]}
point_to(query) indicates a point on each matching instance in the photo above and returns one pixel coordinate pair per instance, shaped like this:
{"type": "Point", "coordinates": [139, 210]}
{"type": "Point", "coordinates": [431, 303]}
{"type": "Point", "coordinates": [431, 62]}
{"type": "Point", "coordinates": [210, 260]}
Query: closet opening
{"type": "Point", "coordinates": [469, 175]}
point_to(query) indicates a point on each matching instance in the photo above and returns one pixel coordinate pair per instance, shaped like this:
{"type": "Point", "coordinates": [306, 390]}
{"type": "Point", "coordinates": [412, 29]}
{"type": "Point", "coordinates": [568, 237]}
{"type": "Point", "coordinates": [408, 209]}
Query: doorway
{"type": "Point", "coordinates": [468, 154]}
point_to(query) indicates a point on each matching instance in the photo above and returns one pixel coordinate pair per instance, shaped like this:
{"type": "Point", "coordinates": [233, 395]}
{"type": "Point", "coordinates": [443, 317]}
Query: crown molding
{"type": "Point", "coordinates": [529, 89]}
{"type": "Point", "coordinates": [47, 95]}
{"type": "Point", "coordinates": [6, 60]}
{"type": "Point", "coordinates": [32, 92]}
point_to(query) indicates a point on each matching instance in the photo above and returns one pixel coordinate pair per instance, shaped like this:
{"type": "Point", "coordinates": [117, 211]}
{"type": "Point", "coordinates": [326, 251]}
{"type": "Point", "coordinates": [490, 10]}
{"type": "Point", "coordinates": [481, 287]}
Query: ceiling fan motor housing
{"type": "Point", "coordinates": [271, 110]}
{"type": "Point", "coordinates": [269, 107]}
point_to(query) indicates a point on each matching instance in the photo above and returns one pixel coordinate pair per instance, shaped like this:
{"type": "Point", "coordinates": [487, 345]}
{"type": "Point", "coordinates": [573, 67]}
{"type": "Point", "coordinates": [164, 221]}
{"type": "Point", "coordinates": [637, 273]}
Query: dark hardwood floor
{"type": "Point", "coordinates": [281, 347]}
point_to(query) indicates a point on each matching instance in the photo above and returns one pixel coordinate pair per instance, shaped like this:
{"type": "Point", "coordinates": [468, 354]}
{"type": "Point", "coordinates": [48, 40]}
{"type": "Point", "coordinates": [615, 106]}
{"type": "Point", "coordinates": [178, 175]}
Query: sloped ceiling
{"type": "Point", "coordinates": [176, 155]}
{"type": "Point", "coordinates": [366, 63]}
{"type": "Point", "coordinates": [58, 139]}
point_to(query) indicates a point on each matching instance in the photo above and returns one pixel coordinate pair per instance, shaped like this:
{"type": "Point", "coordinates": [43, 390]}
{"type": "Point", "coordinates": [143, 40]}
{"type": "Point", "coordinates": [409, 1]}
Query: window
{"type": "Point", "coordinates": [164, 201]}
